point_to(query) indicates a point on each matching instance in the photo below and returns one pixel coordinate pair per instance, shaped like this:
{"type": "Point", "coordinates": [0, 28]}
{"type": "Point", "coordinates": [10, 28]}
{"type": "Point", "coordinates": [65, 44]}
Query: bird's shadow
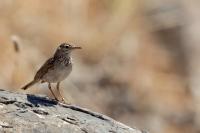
{"type": "Point", "coordinates": [38, 100]}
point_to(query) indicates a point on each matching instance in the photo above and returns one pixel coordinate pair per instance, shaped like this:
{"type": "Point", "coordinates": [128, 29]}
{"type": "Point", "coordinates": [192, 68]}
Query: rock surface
{"type": "Point", "coordinates": [38, 114]}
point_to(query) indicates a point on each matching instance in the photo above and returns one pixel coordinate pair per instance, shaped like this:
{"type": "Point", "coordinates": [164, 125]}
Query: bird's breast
{"type": "Point", "coordinates": [58, 73]}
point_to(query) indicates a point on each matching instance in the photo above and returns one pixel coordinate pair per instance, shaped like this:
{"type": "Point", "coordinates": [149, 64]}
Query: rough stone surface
{"type": "Point", "coordinates": [38, 114]}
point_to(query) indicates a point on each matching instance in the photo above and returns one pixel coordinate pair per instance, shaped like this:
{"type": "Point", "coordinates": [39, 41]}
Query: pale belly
{"type": "Point", "coordinates": [57, 74]}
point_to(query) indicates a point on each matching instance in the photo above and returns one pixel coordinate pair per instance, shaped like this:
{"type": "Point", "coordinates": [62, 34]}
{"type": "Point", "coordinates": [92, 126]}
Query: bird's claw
{"type": "Point", "coordinates": [65, 101]}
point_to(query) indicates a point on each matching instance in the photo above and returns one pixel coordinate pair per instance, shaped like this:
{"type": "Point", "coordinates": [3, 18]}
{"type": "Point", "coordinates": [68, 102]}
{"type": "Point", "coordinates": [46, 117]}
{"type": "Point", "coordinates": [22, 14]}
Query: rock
{"type": "Point", "coordinates": [39, 114]}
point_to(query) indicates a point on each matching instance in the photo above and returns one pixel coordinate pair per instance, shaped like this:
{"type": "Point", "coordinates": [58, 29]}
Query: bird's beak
{"type": "Point", "coordinates": [75, 47]}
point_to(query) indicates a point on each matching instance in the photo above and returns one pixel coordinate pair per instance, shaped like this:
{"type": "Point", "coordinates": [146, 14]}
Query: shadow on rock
{"type": "Point", "coordinates": [44, 101]}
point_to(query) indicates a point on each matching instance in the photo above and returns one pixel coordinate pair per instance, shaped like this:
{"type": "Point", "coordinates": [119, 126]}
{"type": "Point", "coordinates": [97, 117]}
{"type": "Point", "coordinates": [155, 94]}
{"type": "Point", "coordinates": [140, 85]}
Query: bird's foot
{"type": "Point", "coordinates": [65, 101]}
{"type": "Point", "coordinates": [56, 99]}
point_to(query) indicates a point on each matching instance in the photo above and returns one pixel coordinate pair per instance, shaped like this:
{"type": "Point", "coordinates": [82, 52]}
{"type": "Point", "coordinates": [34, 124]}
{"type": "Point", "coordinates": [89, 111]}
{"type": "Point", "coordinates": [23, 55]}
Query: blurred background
{"type": "Point", "coordinates": [139, 63]}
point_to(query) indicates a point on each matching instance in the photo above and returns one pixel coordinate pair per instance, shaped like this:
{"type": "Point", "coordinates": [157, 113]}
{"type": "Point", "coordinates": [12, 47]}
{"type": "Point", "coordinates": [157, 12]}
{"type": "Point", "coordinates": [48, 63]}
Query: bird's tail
{"type": "Point", "coordinates": [29, 85]}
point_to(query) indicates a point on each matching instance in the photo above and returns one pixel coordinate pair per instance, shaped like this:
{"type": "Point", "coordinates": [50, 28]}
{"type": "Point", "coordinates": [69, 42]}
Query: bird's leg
{"type": "Point", "coordinates": [58, 88]}
{"type": "Point", "coordinates": [49, 85]}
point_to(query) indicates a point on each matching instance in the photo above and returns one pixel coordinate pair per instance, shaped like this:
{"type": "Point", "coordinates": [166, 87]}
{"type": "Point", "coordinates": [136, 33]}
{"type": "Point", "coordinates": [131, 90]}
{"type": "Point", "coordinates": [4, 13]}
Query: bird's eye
{"type": "Point", "coordinates": [67, 46]}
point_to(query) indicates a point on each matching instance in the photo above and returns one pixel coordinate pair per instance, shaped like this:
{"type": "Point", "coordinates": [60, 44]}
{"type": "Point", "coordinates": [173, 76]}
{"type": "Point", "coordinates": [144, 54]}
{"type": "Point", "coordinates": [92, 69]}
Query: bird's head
{"type": "Point", "coordinates": [66, 48]}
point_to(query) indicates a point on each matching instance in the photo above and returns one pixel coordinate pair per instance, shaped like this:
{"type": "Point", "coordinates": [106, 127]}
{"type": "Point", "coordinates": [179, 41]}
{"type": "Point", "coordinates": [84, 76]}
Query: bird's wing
{"type": "Point", "coordinates": [44, 69]}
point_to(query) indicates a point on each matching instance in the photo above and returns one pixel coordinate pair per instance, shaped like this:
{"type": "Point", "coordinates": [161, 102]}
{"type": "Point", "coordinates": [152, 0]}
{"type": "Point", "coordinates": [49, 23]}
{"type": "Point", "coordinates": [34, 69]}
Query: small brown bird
{"type": "Point", "coordinates": [55, 69]}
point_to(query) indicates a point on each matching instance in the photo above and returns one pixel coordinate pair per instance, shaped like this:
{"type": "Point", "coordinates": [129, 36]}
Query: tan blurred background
{"type": "Point", "coordinates": [139, 64]}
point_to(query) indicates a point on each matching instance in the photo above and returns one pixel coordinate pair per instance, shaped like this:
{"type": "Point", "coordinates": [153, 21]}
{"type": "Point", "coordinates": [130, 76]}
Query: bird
{"type": "Point", "coordinates": [55, 69]}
